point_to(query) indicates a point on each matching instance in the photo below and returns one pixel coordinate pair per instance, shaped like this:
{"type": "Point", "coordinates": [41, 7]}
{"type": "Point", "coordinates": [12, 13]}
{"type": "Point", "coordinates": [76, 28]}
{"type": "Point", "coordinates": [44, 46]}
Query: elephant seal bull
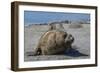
{"type": "Point", "coordinates": [54, 41]}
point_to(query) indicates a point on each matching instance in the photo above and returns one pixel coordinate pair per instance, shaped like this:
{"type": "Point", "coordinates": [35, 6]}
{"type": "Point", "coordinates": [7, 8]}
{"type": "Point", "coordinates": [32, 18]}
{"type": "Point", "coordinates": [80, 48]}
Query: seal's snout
{"type": "Point", "coordinates": [69, 39]}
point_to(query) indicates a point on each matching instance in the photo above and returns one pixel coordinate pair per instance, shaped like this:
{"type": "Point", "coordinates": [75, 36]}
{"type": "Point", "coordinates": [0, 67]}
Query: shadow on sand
{"type": "Point", "coordinates": [74, 53]}
{"type": "Point", "coordinates": [71, 52]}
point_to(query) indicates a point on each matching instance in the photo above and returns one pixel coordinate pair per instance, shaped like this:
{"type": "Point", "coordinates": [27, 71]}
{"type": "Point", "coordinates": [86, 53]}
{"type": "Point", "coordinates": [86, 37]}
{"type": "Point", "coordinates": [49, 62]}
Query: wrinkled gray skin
{"type": "Point", "coordinates": [54, 41]}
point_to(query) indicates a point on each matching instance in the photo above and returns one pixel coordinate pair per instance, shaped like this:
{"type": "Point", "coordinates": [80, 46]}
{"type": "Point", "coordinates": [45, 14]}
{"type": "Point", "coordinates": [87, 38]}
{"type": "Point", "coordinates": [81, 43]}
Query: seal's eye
{"type": "Point", "coordinates": [65, 35]}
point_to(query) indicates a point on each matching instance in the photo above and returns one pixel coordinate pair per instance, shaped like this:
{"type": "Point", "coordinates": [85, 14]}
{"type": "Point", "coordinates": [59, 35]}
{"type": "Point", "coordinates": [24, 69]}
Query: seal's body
{"type": "Point", "coordinates": [54, 41]}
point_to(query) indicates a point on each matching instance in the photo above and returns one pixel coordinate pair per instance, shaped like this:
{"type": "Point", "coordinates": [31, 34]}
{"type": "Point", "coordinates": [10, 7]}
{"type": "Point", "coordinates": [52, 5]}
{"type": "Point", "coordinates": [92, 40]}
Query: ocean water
{"type": "Point", "coordinates": [34, 17]}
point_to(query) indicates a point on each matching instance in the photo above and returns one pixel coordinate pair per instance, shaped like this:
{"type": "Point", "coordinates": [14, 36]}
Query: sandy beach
{"type": "Point", "coordinates": [32, 33]}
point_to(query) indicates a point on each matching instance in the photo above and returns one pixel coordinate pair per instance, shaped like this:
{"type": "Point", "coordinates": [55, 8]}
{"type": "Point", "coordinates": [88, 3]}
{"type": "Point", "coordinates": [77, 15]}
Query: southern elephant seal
{"type": "Point", "coordinates": [54, 41]}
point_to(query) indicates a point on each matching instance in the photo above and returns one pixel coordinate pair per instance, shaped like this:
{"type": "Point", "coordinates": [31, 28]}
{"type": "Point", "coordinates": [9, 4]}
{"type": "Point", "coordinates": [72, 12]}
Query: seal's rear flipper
{"type": "Point", "coordinates": [38, 52]}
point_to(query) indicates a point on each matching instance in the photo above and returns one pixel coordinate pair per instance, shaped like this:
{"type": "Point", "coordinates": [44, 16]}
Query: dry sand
{"type": "Point", "coordinates": [32, 34]}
